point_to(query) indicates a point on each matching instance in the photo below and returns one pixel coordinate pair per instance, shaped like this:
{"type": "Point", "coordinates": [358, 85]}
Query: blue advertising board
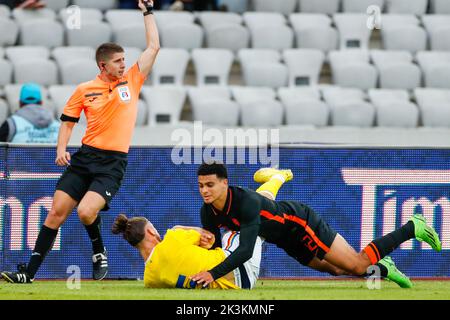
{"type": "Point", "coordinates": [362, 193]}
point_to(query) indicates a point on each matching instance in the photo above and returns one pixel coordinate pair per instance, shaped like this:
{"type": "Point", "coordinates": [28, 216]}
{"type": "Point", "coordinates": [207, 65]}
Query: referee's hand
{"type": "Point", "coordinates": [62, 158]}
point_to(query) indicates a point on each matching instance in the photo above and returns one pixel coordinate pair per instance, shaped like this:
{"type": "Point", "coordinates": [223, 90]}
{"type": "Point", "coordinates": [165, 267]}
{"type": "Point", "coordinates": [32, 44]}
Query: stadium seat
{"type": "Point", "coordinates": [314, 31]}
{"type": "Point", "coordinates": [438, 28]}
{"type": "Point", "coordinates": [121, 17]}
{"type": "Point", "coordinates": [285, 7]}
{"type": "Point", "coordinates": [228, 36]}
{"type": "Point", "coordinates": [142, 113]}
{"type": "Point", "coordinates": [303, 106]}
{"type": "Point", "coordinates": [132, 55]}
{"type": "Point", "coordinates": [92, 34]}
{"type": "Point", "coordinates": [213, 106]}
{"type": "Point", "coordinates": [12, 92]}
{"type": "Point", "coordinates": [19, 53]}
{"type": "Point", "coordinates": [212, 66]}
{"type": "Point", "coordinates": [8, 38]}
{"type": "Point", "coordinates": [391, 20]}
{"type": "Point", "coordinates": [351, 68]}
{"type": "Point", "coordinates": [277, 37]}
{"type": "Point", "coordinates": [320, 6]}
{"type": "Point", "coordinates": [6, 71]}
{"type": "Point", "coordinates": [97, 4]}
{"type": "Point", "coordinates": [165, 103]}
{"type": "Point", "coordinates": [257, 19]}
{"type": "Point", "coordinates": [64, 55]}
{"type": "Point", "coordinates": [40, 71]}
{"type": "Point", "coordinates": [5, 12]}
{"type": "Point", "coordinates": [23, 15]}
{"type": "Point", "coordinates": [434, 105]}
{"type": "Point", "coordinates": [396, 69]}
{"type": "Point", "coordinates": [304, 66]}
{"type": "Point", "coordinates": [406, 37]}
{"type": "Point", "coordinates": [393, 108]}
{"type": "Point", "coordinates": [170, 67]}
{"type": "Point", "coordinates": [60, 94]}
{"type": "Point", "coordinates": [78, 70]}
{"type": "Point", "coordinates": [210, 19]}
{"type": "Point", "coordinates": [436, 68]}
{"type": "Point", "coordinates": [86, 15]}
{"type": "Point", "coordinates": [348, 107]}
{"type": "Point", "coordinates": [174, 36]}
{"type": "Point", "coordinates": [440, 6]}
{"type": "Point", "coordinates": [259, 107]}
{"type": "Point", "coordinates": [56, 5]}
{"type": "Point", "coordinates": [353, 31]}
{"type": "Point", "coordinates": [360, 6]}
{"type": "Point", "coordinates": [4, 110]}
{"type": "Point", "coordinates": [168, 18]}
{"type": "Point", "coordinates": [262, 68]}
{"type": "Point", "coordinates": [41, 32]}
{"type": "Point", "coordinates": [130, 35]}
{"type": "Point", "coordinates": [417, 7]}
{"type": "Point", "coordinates": [238, 6]}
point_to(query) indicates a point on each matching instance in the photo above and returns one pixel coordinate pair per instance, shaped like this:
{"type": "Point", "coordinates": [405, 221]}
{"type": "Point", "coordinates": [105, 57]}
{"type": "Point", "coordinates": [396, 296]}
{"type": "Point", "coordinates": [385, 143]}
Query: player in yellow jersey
{"type": "Point", "coordinates": [183, 252]}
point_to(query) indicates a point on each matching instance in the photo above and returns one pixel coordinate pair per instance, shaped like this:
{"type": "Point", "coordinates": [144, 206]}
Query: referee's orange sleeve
{"type": "Point", "coordinates": [74, 106]}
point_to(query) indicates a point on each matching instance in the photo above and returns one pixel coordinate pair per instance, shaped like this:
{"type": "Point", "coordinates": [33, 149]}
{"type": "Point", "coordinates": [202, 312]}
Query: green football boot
{"type": "Point", "coordinates": [425, 233]}
{"type": "Point", "coordinates": [394, 274]}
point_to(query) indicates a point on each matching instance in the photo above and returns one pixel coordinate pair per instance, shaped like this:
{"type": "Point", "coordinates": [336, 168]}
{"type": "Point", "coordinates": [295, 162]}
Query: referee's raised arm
{"type": "Point", "coordinates": [148, 57]}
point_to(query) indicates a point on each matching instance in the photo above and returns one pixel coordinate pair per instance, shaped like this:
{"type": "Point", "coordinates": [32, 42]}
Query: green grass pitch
{"type": "Point", "coordinates": [265, 290]}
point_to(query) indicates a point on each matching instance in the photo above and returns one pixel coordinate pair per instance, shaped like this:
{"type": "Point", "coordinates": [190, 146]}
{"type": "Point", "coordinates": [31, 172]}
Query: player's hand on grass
{"type": "Point", "coordinates": [207, 239]}
{"type": "Point", "coordinates": [62, 158]}
{"type": "Point", "coordinates": [204, 278]}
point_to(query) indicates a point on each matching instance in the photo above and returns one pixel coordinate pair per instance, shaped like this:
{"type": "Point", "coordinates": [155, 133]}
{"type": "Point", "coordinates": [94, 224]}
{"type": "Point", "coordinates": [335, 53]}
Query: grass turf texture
{"type": "Point", "coordinates": [265, 290]}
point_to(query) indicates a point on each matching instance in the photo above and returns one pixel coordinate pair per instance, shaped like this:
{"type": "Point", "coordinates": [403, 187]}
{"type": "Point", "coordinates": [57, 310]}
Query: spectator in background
{"type": "Point", "coordinates": [24, 4]}
{"type": "Point", "coordinates": [32, 123]}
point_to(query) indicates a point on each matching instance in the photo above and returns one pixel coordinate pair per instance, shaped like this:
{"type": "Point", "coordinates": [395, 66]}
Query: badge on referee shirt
{"type": "Point", "coordinates": [124, 93]}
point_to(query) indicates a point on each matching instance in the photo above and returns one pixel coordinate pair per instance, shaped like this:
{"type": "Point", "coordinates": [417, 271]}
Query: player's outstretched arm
{"type": "Point", "coordinates": [147, 58]}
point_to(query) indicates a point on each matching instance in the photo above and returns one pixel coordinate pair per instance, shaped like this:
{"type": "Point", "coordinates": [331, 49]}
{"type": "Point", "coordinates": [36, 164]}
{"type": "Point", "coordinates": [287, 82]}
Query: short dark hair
{"type": "Point", "coordinates": [105, 51]}
{"type": "Point", "coordinates": [218, 169]}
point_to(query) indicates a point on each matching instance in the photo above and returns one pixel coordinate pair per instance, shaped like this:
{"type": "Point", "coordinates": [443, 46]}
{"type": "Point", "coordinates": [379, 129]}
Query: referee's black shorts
{"type": "Point", "coordinates": [93, 169]}
{"type": "Point", "coordinates": [309, 235]}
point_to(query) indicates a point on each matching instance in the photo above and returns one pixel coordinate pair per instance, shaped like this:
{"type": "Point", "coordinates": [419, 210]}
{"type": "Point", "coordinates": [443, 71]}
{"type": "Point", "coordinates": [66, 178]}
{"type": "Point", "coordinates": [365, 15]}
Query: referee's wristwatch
{"type": "Point", "coordinates": [149, 8]}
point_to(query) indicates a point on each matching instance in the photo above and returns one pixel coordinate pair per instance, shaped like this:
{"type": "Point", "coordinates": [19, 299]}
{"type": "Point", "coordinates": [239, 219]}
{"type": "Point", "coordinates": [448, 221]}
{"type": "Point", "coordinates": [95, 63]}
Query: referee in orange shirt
{"type": "Point", "coordinates": [95, 172]}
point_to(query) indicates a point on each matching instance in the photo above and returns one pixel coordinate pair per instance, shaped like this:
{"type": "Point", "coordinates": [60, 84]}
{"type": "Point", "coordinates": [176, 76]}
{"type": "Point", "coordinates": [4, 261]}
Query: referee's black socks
{"type": "Point", "coordinates": [44, 243]}
{"type": "Point", "coordinates": [93, 231]}
{"type": "Point", "coordinates": [381, 247]}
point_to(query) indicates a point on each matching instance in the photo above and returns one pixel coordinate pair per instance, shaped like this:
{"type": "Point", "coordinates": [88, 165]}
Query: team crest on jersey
{"type": "Point", "coordinates": [124, 93]}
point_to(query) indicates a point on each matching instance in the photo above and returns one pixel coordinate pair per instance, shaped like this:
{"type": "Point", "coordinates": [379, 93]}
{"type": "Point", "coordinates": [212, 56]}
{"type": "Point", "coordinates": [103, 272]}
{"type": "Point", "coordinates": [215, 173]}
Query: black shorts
{"type": "Point", "coordinates": [309, 236]}
{"type": "Point", "coordinates": [93, 169]}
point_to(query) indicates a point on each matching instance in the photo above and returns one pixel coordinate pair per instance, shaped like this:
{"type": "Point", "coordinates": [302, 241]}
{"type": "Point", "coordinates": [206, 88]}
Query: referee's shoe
{"type": "Point", "coordinates": [21, 276]}
{"type": "Point", "coordinates": [100, 266]}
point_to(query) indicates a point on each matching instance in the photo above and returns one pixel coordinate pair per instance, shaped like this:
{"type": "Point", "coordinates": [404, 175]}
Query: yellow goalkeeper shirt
{"type": "Point", "coordinates": [177, 257]}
